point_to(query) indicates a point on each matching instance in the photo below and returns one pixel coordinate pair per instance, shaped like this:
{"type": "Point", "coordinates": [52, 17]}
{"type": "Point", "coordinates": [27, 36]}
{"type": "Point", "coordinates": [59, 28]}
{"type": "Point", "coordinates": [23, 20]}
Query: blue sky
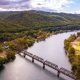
{"type": "Point", "coordinates": [74, 7]}
{"type": "Point", "coordinates": [68, 6]}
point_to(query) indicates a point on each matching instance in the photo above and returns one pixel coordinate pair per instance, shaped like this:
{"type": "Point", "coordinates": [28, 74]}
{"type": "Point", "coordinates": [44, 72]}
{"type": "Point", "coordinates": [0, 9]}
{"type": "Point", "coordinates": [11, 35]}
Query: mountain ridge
{"type": "Point", "coordinates": [11, 21]}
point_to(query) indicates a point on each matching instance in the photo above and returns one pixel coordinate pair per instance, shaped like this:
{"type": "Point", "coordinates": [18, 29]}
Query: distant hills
{"type": "Point", "coordinates": [18, 21]}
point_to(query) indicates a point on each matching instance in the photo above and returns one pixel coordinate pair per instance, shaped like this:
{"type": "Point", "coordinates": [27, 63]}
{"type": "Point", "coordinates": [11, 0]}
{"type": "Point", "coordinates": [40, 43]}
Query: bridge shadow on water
{"type": "Point", "coordinates": [49, 72]}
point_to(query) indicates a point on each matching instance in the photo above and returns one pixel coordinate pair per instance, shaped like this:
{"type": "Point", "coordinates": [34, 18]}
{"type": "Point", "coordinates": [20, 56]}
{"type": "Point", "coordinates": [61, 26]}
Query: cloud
{"type": "Point", "coordinates": [57, 5]}
{"type": "Point", "coordinates": [45, 5]}
{"type": "Point", "coordinates": [77, 12]}
{"type": "Point", "coordinates": [13, 5]}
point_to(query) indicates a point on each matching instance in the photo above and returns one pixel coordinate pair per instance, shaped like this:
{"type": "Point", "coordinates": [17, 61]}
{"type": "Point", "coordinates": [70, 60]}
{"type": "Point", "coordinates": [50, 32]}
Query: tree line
{"type": "Point", "coordinates": [72, 54]}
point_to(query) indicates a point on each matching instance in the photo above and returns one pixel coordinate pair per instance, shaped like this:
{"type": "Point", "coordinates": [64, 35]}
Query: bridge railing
{"type": "Point", "coordinates": [28, 54]}
{"type": "Point", "coordinates": [50, 64]}
{"type": "Point", "coordinates": [38, 59]}
{"type": "Point", "coordinates": [67, 72]}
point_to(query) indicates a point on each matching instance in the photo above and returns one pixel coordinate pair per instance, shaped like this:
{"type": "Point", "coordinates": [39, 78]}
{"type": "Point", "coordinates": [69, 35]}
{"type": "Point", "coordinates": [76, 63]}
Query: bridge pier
{"type": "Point", "coordinates": [58, 74]}
{"type": "Point", "coordinates": [24, 55]}
{"type": "Point", "coordinates": [44, 65]}
{"type": "Point", "coordinates": [32, 59]}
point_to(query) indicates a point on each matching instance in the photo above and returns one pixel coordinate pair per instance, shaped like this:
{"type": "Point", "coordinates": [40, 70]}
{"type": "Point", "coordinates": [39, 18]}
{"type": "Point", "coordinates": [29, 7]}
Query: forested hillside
{"type": "Point", "coordinates": [19, 21]}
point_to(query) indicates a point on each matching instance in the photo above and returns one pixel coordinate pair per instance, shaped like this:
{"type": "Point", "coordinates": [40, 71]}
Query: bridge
{"type": "Point", "coordinates": [49, 64]}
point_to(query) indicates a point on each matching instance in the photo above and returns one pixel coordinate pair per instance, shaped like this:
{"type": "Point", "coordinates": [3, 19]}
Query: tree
{"type": "Point", "coordinates": [10, 55]}
{"type": "Point", "coordinates": [11, 45]}
{"type": "Point", "coordinates": [1, 49]}
{"type": "Point", "coordinates": [1, 61]}
{"type": "Point", "coordinates": [71, 50]}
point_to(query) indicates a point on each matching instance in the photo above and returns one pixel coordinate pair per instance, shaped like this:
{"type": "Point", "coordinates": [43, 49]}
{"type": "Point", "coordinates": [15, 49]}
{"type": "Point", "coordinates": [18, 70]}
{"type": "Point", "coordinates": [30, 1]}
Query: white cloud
{"type": "Point", "coordinates": [77, 12]}
{"type": "Point", "coordinates": [13, 0]}
{"type": "Point", "coordinates": [45, 5]}
{"type": "Point", "coordinates": [1, 9]}
{"type": "Point", "coordinates": [14, 9]}
{"type": "Point", "coordinates": [58, 5]}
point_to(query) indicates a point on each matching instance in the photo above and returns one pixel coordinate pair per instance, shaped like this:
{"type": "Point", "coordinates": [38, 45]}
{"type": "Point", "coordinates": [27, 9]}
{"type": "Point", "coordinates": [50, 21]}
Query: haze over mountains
{"type": "Point", "coordinates": [21, 20]}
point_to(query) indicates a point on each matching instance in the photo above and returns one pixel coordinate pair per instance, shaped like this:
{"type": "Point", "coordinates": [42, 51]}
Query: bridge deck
{"type": "Point", "coordinates": [38, 59]}
{"type": "Point", "coordinates": [50, 64]}
{"type": "Point", "coordinates": [28, 54]}
{"type": "Point", "coordinates": [67, 73]}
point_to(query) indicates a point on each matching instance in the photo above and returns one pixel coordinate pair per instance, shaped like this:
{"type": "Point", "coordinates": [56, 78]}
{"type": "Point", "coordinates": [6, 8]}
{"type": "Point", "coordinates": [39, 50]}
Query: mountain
{"type": "Point", "coordinates": [66, 15]}
{"type": "Point", "coordinates": [24, 20]}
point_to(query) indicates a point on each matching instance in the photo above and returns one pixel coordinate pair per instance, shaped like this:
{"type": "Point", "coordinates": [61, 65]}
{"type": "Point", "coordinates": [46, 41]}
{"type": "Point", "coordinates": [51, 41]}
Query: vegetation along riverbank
{"type": "Point", "coordinates": [9, 48]}
{"type": "Point", "coordinates": [72, 47]}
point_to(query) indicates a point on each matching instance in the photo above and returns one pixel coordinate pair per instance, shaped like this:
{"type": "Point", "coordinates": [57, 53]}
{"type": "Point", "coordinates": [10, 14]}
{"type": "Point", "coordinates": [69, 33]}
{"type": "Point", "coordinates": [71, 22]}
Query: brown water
{"type": "Point", "coordinates": [52, 49]}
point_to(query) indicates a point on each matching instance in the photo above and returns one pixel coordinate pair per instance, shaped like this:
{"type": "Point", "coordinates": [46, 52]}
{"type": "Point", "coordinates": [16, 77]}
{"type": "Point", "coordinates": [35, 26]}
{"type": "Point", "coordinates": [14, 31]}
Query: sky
{"type": "Point", "coordinates": [67, 6]}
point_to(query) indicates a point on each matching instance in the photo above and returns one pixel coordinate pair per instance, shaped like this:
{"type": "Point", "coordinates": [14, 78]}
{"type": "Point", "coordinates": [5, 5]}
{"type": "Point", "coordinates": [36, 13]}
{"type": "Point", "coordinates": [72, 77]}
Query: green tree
{"type": "Point", "coordinates": [10, 55]}
{"type": "Point", "coordinates": [71, 50]}
{"type": "Point", "coordinates": [1, 49]}
{"type": "Point", "coordinates": [1, 61]}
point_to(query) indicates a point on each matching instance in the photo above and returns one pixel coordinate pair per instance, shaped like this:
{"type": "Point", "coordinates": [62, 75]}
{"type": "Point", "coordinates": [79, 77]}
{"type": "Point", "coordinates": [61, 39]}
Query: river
{"type": "Point", "coordinates": [52, 49]}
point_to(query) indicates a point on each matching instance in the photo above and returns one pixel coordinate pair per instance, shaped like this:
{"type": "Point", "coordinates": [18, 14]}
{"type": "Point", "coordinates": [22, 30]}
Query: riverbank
{"type": "Point", "coordinates": [72, 46]}
{"type": "Point", "coordinates": [17, 45]}
{"type": "Point", "coordinates": [50, 49]}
